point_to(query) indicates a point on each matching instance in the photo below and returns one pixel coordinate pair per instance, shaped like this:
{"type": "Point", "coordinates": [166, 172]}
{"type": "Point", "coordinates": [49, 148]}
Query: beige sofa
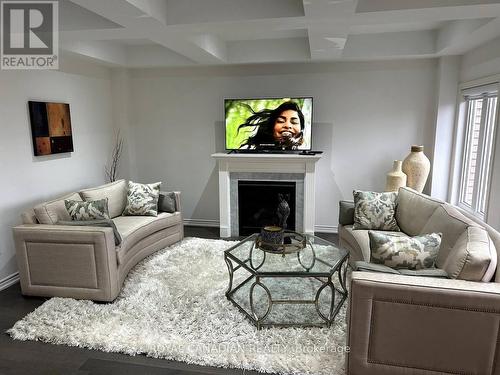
{"type": "Point", "coordinates": [83, 262]}
{"type": "Point", "coordinates": [401, 324]}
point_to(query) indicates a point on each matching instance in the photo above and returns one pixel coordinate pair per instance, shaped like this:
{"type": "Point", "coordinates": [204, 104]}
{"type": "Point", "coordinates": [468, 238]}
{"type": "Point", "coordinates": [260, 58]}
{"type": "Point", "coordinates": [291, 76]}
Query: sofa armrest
{"type": "Point", "coordinates": [346, 212]}
{"type": "Point", "coordinates": [59, 260]}
{"type": "Point", "coordinates": [418, 325]}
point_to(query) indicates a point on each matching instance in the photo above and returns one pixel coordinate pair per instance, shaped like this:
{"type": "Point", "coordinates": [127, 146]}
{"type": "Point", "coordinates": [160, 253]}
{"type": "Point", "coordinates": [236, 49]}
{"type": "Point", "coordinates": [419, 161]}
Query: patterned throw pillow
{"type": "Point", "coordinates": [412, 253]}
{"type": "Point", "coordinates": [142, 199]}
{"type": "Point", "coordinates": [87, 210]}
{"type": "Point", "coordinates": [375, 210]}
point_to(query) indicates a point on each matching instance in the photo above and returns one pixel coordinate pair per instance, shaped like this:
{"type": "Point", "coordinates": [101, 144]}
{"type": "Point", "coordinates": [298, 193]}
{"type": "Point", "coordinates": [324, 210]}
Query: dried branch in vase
{"type": "Point", "coordinates": [112, 169]}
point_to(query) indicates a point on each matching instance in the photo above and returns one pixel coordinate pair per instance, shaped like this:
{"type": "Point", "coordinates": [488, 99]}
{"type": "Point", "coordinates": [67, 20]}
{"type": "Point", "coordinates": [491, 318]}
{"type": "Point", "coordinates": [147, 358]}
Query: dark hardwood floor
{"type": "Point", "coordinates": [18, 357]}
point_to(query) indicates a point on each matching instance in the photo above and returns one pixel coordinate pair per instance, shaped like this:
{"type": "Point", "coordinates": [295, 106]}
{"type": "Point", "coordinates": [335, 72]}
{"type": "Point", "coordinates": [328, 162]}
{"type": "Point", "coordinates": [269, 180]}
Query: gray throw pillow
{"type": "Point", "coordinates": [87, 210]}
{"type": "Point", "coordinates": [412, 253]}
{"type": "Point", "coordinates": [166, 202]}
{"type": "Point", "coordinates": [142, 199]}
{"type": "Point", "coordinates": [375, 210]}
{"type": "Point", "coordinates": [96, 223]}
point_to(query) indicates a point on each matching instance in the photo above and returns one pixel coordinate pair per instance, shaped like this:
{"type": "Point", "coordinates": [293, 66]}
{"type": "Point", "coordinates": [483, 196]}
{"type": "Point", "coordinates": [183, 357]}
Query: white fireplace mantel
{"type": "Point", "coordinates": [266, 163]}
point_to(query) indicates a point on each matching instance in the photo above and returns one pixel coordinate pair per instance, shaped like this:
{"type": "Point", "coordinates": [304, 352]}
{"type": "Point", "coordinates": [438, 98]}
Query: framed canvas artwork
{"type": "Point", "coordinates": [50, 128]}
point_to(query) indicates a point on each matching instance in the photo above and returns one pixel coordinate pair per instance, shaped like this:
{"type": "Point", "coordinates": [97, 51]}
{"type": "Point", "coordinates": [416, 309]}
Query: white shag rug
{"type": "Point", "coordinates": [173, 306]}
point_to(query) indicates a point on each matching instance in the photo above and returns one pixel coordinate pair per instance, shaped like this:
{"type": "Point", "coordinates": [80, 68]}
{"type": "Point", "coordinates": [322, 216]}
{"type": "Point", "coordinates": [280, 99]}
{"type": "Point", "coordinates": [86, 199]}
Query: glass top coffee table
{"type": "Point", "coordinates": [300, 284]}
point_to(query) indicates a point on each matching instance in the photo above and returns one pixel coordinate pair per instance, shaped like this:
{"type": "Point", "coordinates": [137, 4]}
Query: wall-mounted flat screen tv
{"type": "Point", "coordinates": [268, 124]}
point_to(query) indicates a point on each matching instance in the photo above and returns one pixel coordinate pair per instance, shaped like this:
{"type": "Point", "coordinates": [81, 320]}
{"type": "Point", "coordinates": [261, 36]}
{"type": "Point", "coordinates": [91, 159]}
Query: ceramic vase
{"type": "Point", "coordinates": [395, 178]}
{"type": "Point", "coordinates": [416, 166]}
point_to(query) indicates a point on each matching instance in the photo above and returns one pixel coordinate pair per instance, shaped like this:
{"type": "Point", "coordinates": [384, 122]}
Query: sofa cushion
{"type": "Point", "coordinates": [375, 210]}
{"type": "Point", "coordinates": [116, 192]}
{"type": "Point", "coordinates": [87, 210]}
{"type": "Point", "coordinates": [142, 199]}
{"type": "Point", "coordinates": [361, 238]}
{"type": "Point", "coordinates": [134, 228]}
{"type": "Point", "coordinates": [494, 248]}
{"type": "Point", "coordinates": [470, 258]}
{"type": "Point", "coordinates": [414, 210]}
{"type": "Point", "coordinates": [52, 211]}
{"type": "Point", "coordinates": [371, 267]}
{"type": "Point", "coordinates": [466, 251]}
{"type": "Point", "coordinates": [448, 221]}
{"type": "Point", "coordinates": [413, 253]}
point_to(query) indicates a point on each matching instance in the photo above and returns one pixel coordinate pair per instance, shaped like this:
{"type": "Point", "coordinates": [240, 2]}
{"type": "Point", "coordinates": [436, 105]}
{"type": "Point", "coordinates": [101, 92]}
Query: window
{"type": "Point", "coordinates": [480, 121]}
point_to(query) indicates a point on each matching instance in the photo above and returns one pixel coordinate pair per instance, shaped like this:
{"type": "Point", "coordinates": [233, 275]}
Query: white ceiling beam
{"type": "Point", "coordinates": [198, 12]}
{"type": "Point", "coordinates": [128, 15]}
{"type": "Point", "coordinates": [325, 43]}
{"type": "Point", "coordinates": [458, 37]}
{"type": "Point", "coordinates": [153, 8]}
{"type": "Point", "coordinates": [96, 35]}
{"type": "Point", "coordinates": [269, 50]}
{"type": "Point", "coordinates": [390, 45]}
{"type": "Point", "coordinates": [327, 39]}
{"type": "Point", "coordinates": [154, 56]}
{"type": "Point", "coordinates": [427, 14]}
{"type": "Point", "coordinates": [387, 5]}
{"type": "Point", "coordinates": [174, 32]}
{"type": "Point", "coordinates": [104, 52]}
{"type": "Point", "coordinates": [212, 44]}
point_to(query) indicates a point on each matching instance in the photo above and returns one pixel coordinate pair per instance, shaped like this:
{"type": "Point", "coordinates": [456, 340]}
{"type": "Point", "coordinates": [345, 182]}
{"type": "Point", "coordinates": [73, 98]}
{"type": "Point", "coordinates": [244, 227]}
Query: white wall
{"type": "Point", "coordinates": [365, 115]}
{"type": "Point", "coordinates": [444, 140]}
{"type": "Point", "coordinates": [27, 180]}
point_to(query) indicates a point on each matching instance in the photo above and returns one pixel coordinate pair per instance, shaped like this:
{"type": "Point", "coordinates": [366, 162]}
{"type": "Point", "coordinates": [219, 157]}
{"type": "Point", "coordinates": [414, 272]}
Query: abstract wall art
{"type": "Point", "coordinates": [50, 128]}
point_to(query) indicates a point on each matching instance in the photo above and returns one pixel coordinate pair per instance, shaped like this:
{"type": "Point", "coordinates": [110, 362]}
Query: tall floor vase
{"type": "Point", "coordinates": [416, 166]}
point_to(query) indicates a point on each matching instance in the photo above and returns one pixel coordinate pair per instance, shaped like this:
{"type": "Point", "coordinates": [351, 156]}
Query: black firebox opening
{"type": "Point", "coordinates": [260, 203]}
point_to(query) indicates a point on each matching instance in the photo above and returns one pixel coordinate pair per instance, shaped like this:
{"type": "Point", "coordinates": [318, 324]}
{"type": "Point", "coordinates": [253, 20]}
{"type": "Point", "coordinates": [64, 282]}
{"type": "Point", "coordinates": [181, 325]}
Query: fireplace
{"type": "Point", "coordinates": [262, 203]}
{"type": "Point", "coordinates": [295, 168]}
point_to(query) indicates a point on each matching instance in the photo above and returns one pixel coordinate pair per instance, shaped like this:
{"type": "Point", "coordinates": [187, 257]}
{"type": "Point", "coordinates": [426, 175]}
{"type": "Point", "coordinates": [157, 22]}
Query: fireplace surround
{"type": "Point", "coordinates": [296, 168]}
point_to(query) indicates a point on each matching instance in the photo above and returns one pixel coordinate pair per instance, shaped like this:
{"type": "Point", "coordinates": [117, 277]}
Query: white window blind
{"type": "Point", "coordinates": [480, 121]}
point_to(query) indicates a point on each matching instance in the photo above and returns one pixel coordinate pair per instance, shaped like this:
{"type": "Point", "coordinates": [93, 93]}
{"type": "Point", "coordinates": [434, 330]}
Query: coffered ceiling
{"type": "Point", "coordinates": [147, 33]}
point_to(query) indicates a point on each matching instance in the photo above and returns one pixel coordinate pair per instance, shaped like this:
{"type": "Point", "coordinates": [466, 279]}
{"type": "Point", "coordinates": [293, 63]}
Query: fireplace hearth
{"type": "Point", "coordinates": [262, 203]}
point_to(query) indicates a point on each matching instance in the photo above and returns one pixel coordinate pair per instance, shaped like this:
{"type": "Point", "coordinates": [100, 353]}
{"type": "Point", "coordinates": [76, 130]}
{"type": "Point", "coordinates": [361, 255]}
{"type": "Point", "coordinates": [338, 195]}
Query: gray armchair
{"type": "Point", "coordinates": [401, 324]}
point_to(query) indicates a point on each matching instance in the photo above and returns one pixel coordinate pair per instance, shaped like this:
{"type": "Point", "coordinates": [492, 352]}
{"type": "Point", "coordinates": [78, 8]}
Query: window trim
{"type": "Point", "coordinates": [482, 174]}
{"type": "Point", "coordinates": [459, 145]}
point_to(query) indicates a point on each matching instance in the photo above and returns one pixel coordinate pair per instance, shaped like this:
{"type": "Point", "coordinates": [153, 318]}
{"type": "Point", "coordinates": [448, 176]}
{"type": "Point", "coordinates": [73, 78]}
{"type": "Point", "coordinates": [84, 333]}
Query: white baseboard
{"type": "Point", "coordinates": [202, 223]}
{"type": "Point", "coordinates": [9, 280]}
{"type": "Point", "coordinates": [326, 228]}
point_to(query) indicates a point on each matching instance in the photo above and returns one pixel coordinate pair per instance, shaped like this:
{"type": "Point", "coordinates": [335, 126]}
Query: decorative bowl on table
{"type": "Point", "coordinates": [272, 235]}
{"type": "Point", "coordinates": [281, 242]}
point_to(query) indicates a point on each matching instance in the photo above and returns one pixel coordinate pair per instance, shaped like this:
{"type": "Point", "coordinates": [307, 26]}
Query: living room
{"type": "Point", "coordinates": [146, 89]}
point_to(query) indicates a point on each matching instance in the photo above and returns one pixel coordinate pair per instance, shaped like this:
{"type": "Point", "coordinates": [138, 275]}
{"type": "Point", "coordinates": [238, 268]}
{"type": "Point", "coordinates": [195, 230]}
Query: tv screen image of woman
{"type": "Point", "coordinates": [281, 123]}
